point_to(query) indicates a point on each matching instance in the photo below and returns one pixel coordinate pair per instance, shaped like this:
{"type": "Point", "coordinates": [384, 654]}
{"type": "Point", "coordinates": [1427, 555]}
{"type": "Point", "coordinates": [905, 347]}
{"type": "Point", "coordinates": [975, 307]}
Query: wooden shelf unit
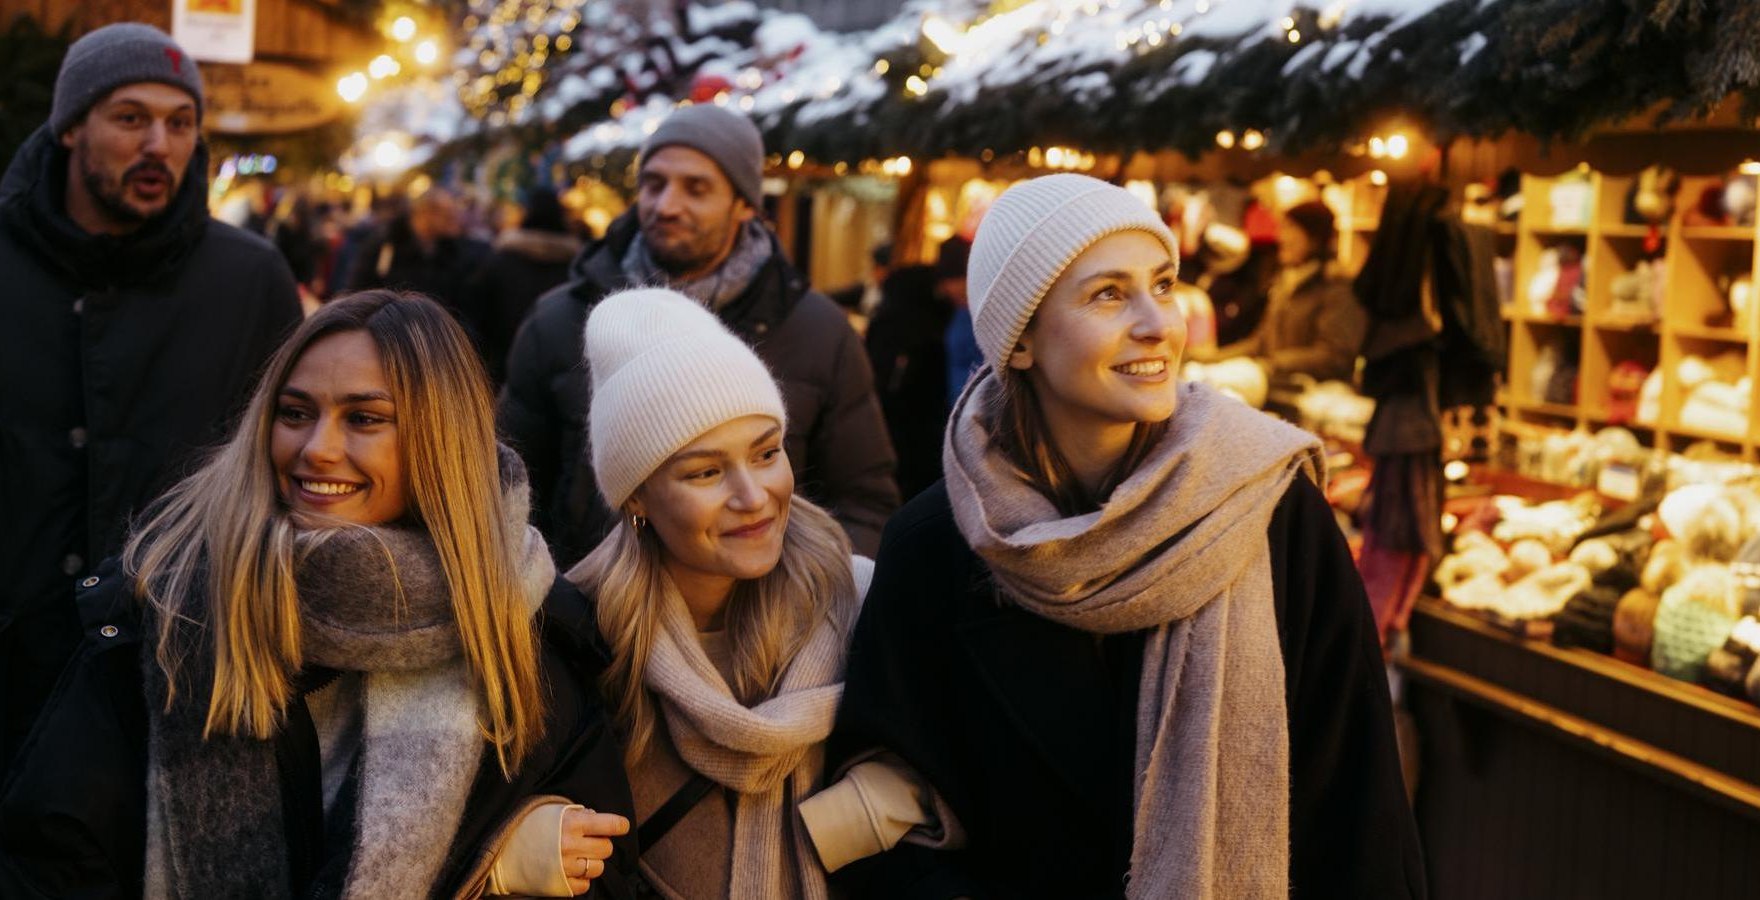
{"type": "Point", "coordinates": [1695, 317]}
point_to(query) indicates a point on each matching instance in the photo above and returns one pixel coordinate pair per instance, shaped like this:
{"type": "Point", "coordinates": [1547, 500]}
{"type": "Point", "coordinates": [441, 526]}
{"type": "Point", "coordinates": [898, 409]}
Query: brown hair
{"type": "Point", "coordinates": [1019, 430]}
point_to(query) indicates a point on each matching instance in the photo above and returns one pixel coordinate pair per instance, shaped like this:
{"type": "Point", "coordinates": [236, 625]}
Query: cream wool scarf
{"type": "Point", "coordinates": [1180, 547]}
{"type": "Point", "coordinates": [762, 754]}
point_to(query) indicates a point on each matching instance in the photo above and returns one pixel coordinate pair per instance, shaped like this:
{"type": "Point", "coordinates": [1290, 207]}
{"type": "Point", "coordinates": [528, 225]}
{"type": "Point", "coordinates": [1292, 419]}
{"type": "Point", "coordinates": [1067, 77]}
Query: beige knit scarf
{"type": "Point", "coordinates": [762, 753]}
{"type": "Point", "coordinates": [1180, 547]}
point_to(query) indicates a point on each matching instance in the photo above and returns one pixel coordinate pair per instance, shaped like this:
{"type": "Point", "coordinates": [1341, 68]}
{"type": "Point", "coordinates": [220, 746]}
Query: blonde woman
{"type": "Point", "coordinates": [1124, 641]}
{"type": "Point", "coordinates": [726, 602]}
{"type": "Point", "coordinates": [346, 692]}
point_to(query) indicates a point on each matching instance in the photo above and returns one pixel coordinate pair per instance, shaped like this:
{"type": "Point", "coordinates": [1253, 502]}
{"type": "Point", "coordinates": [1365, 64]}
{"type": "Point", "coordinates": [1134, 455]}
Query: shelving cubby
{"type": "Point", "coordinates": [1694, 319]}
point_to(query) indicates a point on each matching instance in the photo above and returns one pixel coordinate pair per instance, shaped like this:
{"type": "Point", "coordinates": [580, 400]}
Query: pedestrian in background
{"type": "Point", "coordinates": [528, 260]}
{"type": "Point", "coordinates": [135, 327]}
{"type": "Point", "coordinates": [697, 229]}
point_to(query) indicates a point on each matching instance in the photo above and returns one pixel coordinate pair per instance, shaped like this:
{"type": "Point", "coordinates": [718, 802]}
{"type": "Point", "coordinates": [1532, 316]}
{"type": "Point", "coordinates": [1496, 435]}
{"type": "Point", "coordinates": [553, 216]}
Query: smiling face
{"type": "Point", "coordinates": [1103, 349]}
{"type": "Point", "coordinates": [128, 156]}
{"type": "Point", "coordinates": [720, 505]}
{"type": "Point", "coordinates": [334, 445]}
{"type": "Point", "coordinates": [688, 211]}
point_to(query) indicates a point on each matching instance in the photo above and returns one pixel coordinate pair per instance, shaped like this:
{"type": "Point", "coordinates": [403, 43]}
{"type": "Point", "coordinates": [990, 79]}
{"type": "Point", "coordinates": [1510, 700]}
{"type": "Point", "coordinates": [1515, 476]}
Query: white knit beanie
{"type": "Point", "coordinates": [1029, 236]}
{"type": "Point", "coordinates": [665, 370]}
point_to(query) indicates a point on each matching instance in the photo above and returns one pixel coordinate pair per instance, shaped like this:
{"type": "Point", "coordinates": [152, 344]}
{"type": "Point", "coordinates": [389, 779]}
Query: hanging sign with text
{"type": "Point", "coordinates": [266, 98]}
{"type": "Point", "coordinates": [223, 31]}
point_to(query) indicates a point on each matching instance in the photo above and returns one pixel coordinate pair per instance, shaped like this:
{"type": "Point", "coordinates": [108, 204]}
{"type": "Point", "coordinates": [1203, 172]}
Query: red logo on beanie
{"type": "Point", "coordinates": [176, 58]}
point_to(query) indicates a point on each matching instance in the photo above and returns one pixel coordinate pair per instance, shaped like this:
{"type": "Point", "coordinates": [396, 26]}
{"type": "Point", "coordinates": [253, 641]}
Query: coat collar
{"type": "Point", "coordinates": [33, 204]}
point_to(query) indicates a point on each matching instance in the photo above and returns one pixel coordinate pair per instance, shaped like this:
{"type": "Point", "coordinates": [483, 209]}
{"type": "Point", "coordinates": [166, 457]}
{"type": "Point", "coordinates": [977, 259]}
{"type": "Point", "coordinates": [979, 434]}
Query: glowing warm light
{"type": "Point", "coordinates": [351, 88]}
{"type": "Point", "coordinates": [1054, 157]}
{"type": "Point", "coordinates": [746, 103]}
{"type": "Point", "coordinates": [904, 165]}
{"type": "Point", "coordinates": [796, 159]}
{"type": "Point", "coordinates": [946, 36]}
{"type": "Point", "coordinates": [1295, 37]}
{"type": "Point", "coordinates": [881, 67]}
{"type": "Point", "coordinates": [1377, 147]}
{"type": "Point", "coordinates": [403, 29]}
{"type": "Point", "coordinates": [1252, 140]}
{"type": "Point", "coordinates": [1750, 167]}
{"type": "Point", "coordinates": [1225, 139]}
{"type": "Point", "coordinates": [1398, 146]}
{"type": "Point", "coordinates": [916, 86]}
{"type": "Point", "coordinates": [427, 52]}
{"type": "Point", "coordinates": [1378, 178]}
{"type": "Point", "coordinates": [389, 154]}
{"type": "Point", "coordinates": [383, 66]}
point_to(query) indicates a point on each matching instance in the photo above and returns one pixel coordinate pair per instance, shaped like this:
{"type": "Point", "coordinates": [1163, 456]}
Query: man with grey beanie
{"type": "Point", "coordinates": [135, 326]}
{"type": "Point", "coordinates": [697, 229]}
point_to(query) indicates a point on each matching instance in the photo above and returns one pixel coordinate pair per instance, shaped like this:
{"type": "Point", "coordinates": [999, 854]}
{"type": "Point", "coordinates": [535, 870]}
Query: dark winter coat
{"type": "Point", "coordinates": [1316, 330]}
{"type": "Point", "coordinates": [394, 258]}
{"type": "Point", "coordinates": [1027, 728]}
{"type": "Point", "coordinates": [905, 344]}
{"type": "Point", "coordinates": [73, 811]}
{"type": "Point", "coordinates": [836, 440]}
{"type": "Point", "coordinates": [523, 266]}
{"type": "Point", "coordinates": [120, 356]}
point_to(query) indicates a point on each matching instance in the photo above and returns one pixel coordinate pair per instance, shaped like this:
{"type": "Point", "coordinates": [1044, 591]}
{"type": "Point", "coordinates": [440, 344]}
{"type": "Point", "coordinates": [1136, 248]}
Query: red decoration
{"type": "Point", "coordinates": [705, 87]}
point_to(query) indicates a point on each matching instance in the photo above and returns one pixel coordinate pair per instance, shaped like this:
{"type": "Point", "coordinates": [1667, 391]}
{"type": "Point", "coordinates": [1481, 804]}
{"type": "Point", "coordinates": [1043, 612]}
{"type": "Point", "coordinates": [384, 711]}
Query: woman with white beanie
{"type": "Point", "coordinates": [1124, 640]}
{"type": "Point", "coordinates": [726, 603]}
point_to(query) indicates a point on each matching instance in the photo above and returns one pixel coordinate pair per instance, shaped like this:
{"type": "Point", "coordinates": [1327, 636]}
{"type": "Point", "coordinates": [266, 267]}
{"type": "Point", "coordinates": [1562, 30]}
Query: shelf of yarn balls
{"type": "Point", "coordinates": [1655, 286]}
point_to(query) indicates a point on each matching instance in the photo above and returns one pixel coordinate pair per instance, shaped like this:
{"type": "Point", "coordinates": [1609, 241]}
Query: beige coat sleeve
{"type": "Point", "coordinates": [529, 864]}
{"type": "Point", "coordinates": [868, 811]}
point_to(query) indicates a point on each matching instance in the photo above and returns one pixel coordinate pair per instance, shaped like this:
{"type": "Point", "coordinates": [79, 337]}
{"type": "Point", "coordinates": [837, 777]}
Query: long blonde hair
{"type": "Point", "coordinates": [223, 535]}
{"type": "Point", "coordinates": [768, 618]}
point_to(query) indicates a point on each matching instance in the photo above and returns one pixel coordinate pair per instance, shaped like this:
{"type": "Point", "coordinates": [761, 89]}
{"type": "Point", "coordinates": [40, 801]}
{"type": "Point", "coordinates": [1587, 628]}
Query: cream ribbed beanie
{"type": "Point", "coordinates": [1029, 236]}
{"type": "Point", "coordinates": [665, 370]}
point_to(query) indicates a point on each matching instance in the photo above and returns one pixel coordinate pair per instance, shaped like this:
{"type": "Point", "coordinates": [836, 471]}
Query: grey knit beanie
{"type": "Point", "coordinates": [1030, 235]}
{"type": "Point", "coordinates": [115, 55]}
{"type": "Point", "coordinates": [726, 137]}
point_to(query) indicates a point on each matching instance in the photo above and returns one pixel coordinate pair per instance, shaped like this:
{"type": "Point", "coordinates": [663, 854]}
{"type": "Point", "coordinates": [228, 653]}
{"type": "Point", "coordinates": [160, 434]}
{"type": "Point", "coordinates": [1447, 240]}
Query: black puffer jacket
{"type": "Point", "coordinates": [120, 356]}
{"type": "Point", "coordinates": [73, 811]}
{"type": "Point", "coordinates": [836, 439]}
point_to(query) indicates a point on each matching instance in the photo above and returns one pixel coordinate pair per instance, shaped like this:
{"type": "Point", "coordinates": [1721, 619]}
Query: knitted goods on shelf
{"type": "Point", "coordinates": [1692, 620]}
{"type": "Point", "coordinates": [1475, 555]}
{"type": "Point", "coordinates": [1727, 668]}
{"type": "Point", "coordinates": [1540, 595]}
{"type": "Point", "coordinates": [1526, 557]}
{"type": "Point", "coordinates": [1706, 520]}
{"type": "Point", "coordinates": [1746, 571]}
{"type": "Point", "coordinates": [1634, 626]}
{"type": "Point", "coordinates": [1556, 524]}
{"type": "Point", "coordinates": [1587, 620]}
{"type": "Point", "coordinates": [1666, 565]}
{"type": "Point", "coordinates": [1335, 409]}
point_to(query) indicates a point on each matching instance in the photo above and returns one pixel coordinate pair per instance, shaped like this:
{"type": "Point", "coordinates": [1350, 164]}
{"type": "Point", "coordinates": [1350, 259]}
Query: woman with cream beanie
{"type": "Point", "coordinates": [1124, 640]}
{"type": "Point", "coordinates": [725, 602]}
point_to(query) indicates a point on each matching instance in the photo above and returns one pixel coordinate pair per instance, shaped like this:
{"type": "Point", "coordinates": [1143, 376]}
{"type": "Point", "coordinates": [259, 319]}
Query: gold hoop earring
{"type": "Point", "coordinates": [638, 522]}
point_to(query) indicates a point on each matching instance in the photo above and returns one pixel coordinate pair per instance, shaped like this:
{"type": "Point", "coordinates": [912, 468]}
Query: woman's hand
{"type": "Point", "coordinates": [586, 845]}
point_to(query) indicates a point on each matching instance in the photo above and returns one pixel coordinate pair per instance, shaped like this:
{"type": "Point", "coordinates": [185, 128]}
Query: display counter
{"type": "Point", "coordinates": [1551, 773]}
